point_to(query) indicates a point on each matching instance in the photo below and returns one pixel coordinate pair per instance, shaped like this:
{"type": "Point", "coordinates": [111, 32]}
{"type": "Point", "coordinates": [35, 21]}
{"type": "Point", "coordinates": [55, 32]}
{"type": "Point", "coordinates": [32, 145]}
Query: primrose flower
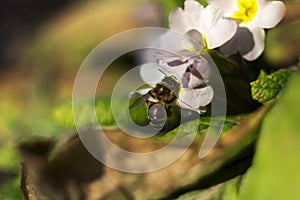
{"type": "Point", "coordinates": [192, 70]}
{"type": "Point", "coordinates": [180, 55]}
{"type": "Point", "coordinates": [209, 22]}
{"type": "Point", "coordinates": [192, 99]}
{"type": "Point", "coordinates": [253, 16]}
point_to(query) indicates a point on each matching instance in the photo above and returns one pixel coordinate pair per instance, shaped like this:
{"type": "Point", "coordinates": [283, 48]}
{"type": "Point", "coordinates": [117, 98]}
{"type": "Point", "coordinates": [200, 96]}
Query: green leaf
{"type": "Point", "coordinates": [11, 190]}
{"type": "Point", "coordinates": [275, 171]}
{"type": "Point", "coordinates": [231, 156]}
{"type": "Point", "coordinates": [138, 113]}
{"type": "Point", "coordinates": [267, 87]}
{"type": "Point", "coordinates": [63, 114]}
{"type": "Point", "coordinates": [236, 81]}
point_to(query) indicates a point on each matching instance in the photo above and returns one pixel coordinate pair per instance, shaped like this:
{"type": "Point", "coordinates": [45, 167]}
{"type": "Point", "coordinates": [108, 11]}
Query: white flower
{"type": "Point", "coordinates": [179, 55]}
{"type": "Point", "coordinates": [191, 99]}
{"type": "Point", "coordinates": [208, 21]}
{"type": "Point", "coordinates": [255, 16]}
{"type": "Point", "coordinates": [192, 70]}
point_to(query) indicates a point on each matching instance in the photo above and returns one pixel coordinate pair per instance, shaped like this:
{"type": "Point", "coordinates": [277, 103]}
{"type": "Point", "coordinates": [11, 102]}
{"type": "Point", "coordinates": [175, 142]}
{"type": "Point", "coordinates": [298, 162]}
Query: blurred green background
{"type": "Point", "coordinates": [44, 42]}
{"type": "Point", "coordinates": [42, 46]}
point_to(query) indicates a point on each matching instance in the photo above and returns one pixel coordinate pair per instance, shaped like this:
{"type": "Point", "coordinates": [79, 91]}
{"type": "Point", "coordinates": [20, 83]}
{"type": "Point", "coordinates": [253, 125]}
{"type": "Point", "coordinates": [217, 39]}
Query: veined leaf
{"type": "Point", "coordinates": [267, 87]}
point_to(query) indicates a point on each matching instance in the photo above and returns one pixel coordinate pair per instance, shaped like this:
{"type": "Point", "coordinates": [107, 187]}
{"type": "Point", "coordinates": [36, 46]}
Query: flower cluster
{"type": "Point", "coordinates": [252, 17]}
{"type": "Point", "coordinates": [232, 26]}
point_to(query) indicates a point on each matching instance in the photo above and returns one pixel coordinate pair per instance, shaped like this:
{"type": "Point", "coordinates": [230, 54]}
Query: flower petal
{"type": "Point", "coordinates": [173, 64]}
{"type": "Point", "coordinates": [178, 21]}
{"type": "Point", "coordinates": [196, 98]}
{"type": "Point", "coordinates": [150, 73]}
{"type": "Point", "coordinates": [237, 43]}
{"type": "Point", "coordinates": [220, 33]}
{"type": "Point", "coordinates": [193, 11]}
{"type": "Point", "coordinates": [259, 43]}
{"type": "Point", "coordinates": [175, 41]}
{"type": "Point", "coordinates": [185, 80]}
{"type": "Point", "coordinates": [192, 6]}
{"type": "Point", "coordinates": [195, 82]}
{"type": "Point", "coordinates": [196, 36]}
{"type": "Point", "coordinates": [200, 68]}
{"type": "Point", "coordinates": [177, 71]}
{"type": "Point", "coordinates": [227, 6]}
{"type": "Point", "coordinates": [270, 15]}
{"type": "Point", "coordinates": [210, 17]}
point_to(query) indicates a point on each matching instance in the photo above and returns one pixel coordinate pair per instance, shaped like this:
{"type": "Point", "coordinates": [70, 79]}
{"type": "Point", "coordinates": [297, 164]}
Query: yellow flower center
{"type": "Point", "coordinates": [189, 48]}
{"type": "Point", "coordinates": [247, 10]}
{"type": "Point", "coordinates": [205, 41]}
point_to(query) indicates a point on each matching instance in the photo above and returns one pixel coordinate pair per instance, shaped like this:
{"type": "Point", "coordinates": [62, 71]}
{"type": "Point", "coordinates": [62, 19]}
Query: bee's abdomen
{"type": "Point", "coordinates": [157, 116]}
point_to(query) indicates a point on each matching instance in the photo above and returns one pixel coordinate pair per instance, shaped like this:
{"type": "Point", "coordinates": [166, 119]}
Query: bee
{"type": "Point", "coordinates": [167, 93]}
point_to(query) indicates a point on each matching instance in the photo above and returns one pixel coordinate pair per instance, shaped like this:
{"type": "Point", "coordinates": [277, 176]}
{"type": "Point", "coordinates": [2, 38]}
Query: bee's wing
{"type": "Point", "coordinates": [139, 101]}
{"type": "Point", "coordinates": [139, 92]}
{"type": "Point", "coordinates": [194, 99]}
